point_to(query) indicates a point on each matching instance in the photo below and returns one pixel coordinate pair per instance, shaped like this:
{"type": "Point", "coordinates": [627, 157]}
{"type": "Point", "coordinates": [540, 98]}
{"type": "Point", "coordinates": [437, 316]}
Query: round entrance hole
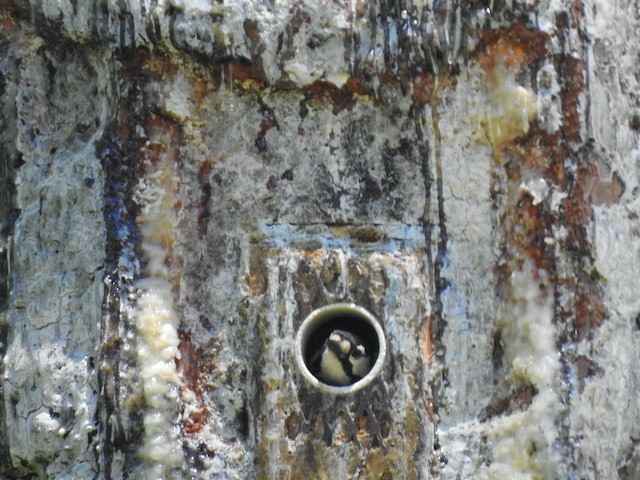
{"type": "Point", "coordinates": [336, 323]}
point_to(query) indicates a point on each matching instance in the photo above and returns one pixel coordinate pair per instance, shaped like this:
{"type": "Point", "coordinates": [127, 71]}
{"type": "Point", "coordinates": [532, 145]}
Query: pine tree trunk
{"type": "Point", "coordinates": [183, 182]}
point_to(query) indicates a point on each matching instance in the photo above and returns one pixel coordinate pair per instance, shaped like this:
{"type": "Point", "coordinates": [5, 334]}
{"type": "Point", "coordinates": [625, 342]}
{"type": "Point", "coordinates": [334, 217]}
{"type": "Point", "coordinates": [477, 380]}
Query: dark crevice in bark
{"type": "Point", "coordinates": [433, 273]}
{"type": "Point", "coordinates": [121, 427]}
{"type": "Point", "coordinates": [10, 161]}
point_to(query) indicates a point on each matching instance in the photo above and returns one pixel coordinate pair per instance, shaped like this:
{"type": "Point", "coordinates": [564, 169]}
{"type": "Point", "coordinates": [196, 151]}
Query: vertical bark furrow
{"type": "Point", "coordinates": [118, 415]}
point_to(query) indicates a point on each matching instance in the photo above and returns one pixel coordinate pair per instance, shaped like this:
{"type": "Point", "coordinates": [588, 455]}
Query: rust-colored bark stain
{"type": "Point", "coordinates": [355, 86]}
{"type": "Point", "coordinates": [517, 400]}
{"type": "Point", "coordinates": [120, 152]}
{"type": "Point", "coordinates": [527, 227]}
{"type": "Point", "coordinates": [201, 88]}
{"type": "Point", "coordinates": [423, 87]}
{"type": "Point", "coordinates": [526, 223]}
{"type": "Point", "coordinates": [426, 340]}
{"type": "Point", "coordinates": [250, 76]}
{"type": "Point", "coordinates": [187, 365]}
{"type": "Point", "coordinates": [8, 20]}
{"type": "Point", "coordinates": [578, 212]}
{"type": "Point", "coordinates": [588, 189]}
{"type": "Point", "coordinates": [589, 309]}
{"type": "Point", "coordinates": [320, 93]}
{"type": "Point", "coordinates": [361, 8]}
{"type": "Point", "coordinates": [572, 71]}
{"type": "Point", "coordinates": [511, 47]}
{"type": "Point", "coordinates": [577, 13]}
{"type": "Point", "coordinates": [529, 232]}
{"type": "Point", "coordinates": [188, 369]}
{"type": "Point", "coordinates": [203, 81]}
{"type": "Point", "coordinates": [528, 156]}
{"type": "Point", "coordinates": [159, 67]}
{"type": "Point", "coordinates": [256, 281]}
{"type": "Point", "coordinates": [252, 30]}
{"type": "Point", "coordinates": [505, 56]}
{"type": "Point", "coordinates": [430, 410]}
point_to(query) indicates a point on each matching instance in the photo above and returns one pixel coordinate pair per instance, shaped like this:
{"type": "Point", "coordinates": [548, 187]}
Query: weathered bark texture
{"type": "Point", "coordinates": [183, 181]}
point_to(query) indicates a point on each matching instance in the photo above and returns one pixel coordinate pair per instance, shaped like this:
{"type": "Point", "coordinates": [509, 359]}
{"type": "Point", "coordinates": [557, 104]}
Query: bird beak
{"type": "Point", "coordinates": [338, 344]}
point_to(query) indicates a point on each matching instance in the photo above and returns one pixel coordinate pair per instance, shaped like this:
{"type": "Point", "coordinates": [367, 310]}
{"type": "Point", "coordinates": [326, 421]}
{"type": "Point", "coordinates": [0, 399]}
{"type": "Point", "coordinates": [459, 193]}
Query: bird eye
{"type": "Point", "coordinates": [358, 351]}
{"type": "Point", "coordinates": [334, 337]}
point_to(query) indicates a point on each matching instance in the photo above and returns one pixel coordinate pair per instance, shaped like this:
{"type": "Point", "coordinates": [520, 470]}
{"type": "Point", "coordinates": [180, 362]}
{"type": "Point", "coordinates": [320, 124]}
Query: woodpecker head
{"type": "Point", "coordinates": [343, 359]}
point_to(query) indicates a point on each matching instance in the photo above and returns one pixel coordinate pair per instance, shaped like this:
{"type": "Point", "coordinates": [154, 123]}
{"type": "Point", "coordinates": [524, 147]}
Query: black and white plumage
{"type": "Point", "coordinates": [342, 359]}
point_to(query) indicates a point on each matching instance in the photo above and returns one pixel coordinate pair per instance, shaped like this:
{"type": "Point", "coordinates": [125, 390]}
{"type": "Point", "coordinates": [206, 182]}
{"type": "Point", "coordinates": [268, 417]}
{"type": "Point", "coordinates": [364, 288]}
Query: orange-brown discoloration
{"type": "Point", "coordinates": [359, 7]}
{"type": "Point", "coordinates": [589, 189]}
{"type": "Point", "coordinates": [527, 223]}
{"type": "Point", "coordinates": [253, 72]}
{"type": "Point", "coordinates": [187, 365]}
{"type": "Point", "coordinates": [321, 92]}
{"type": "Point", "coordinates": [511, 107]}
{"type": "Point", "coordinates": [501, 55]}
{"type": "Point", "coordinates": [511, 48]}
{"type": "Point", "coordinates": [160, 129]}
{"type": "Point", "coordinates": [256, 280]}
{"type": "Point", "coordinates": [530, 156]}
{"type": "Point", "coordinates": [570, 18]}
{"type": "Point", "coordinates": [517, 400]}
{"type": "Point", "coordinates": [431, 410]}
{"type": "Point", "coordinates": [160, 66]}
{"type": "Point", "coordinates": [529, 231]}
{"type": "Point", "coordinates": [423, 88]}
{"type": "Point", "coordinates": [529, 226]}
{"type": "Point", "coordinates": [201, 88]}
{"type": "Point", "coordinates": [191, 392]}
{"type": "Point", "coordinates": [355, 86]}
{"type": "Point", "coordinates": [574, 86]}
{"type": "Point", "coordinates": [426, 340]}
{"type": "Point", "coordinates": [8, 23]}
{"type": "Point", "coordinates": [590, 311]}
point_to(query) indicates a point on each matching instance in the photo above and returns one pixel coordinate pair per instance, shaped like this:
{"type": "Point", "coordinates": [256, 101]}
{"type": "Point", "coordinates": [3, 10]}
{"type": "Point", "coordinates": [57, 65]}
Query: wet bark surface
{"type": "Point", "coordinates": [182, 183]}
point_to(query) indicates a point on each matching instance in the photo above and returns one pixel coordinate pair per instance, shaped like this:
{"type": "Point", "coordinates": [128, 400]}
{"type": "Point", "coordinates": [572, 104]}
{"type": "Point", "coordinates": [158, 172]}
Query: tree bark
{"type": "Point", "coordinates": [183, 182]}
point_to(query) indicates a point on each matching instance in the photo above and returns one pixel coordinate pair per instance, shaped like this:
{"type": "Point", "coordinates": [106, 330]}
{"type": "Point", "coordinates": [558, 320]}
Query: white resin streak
{"type": "Point", "coordinates": [522, 443]}
{"type": "Point", "coordinates": [157, 327]}
{"type": "Point", "coordinates": [157, 323]}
